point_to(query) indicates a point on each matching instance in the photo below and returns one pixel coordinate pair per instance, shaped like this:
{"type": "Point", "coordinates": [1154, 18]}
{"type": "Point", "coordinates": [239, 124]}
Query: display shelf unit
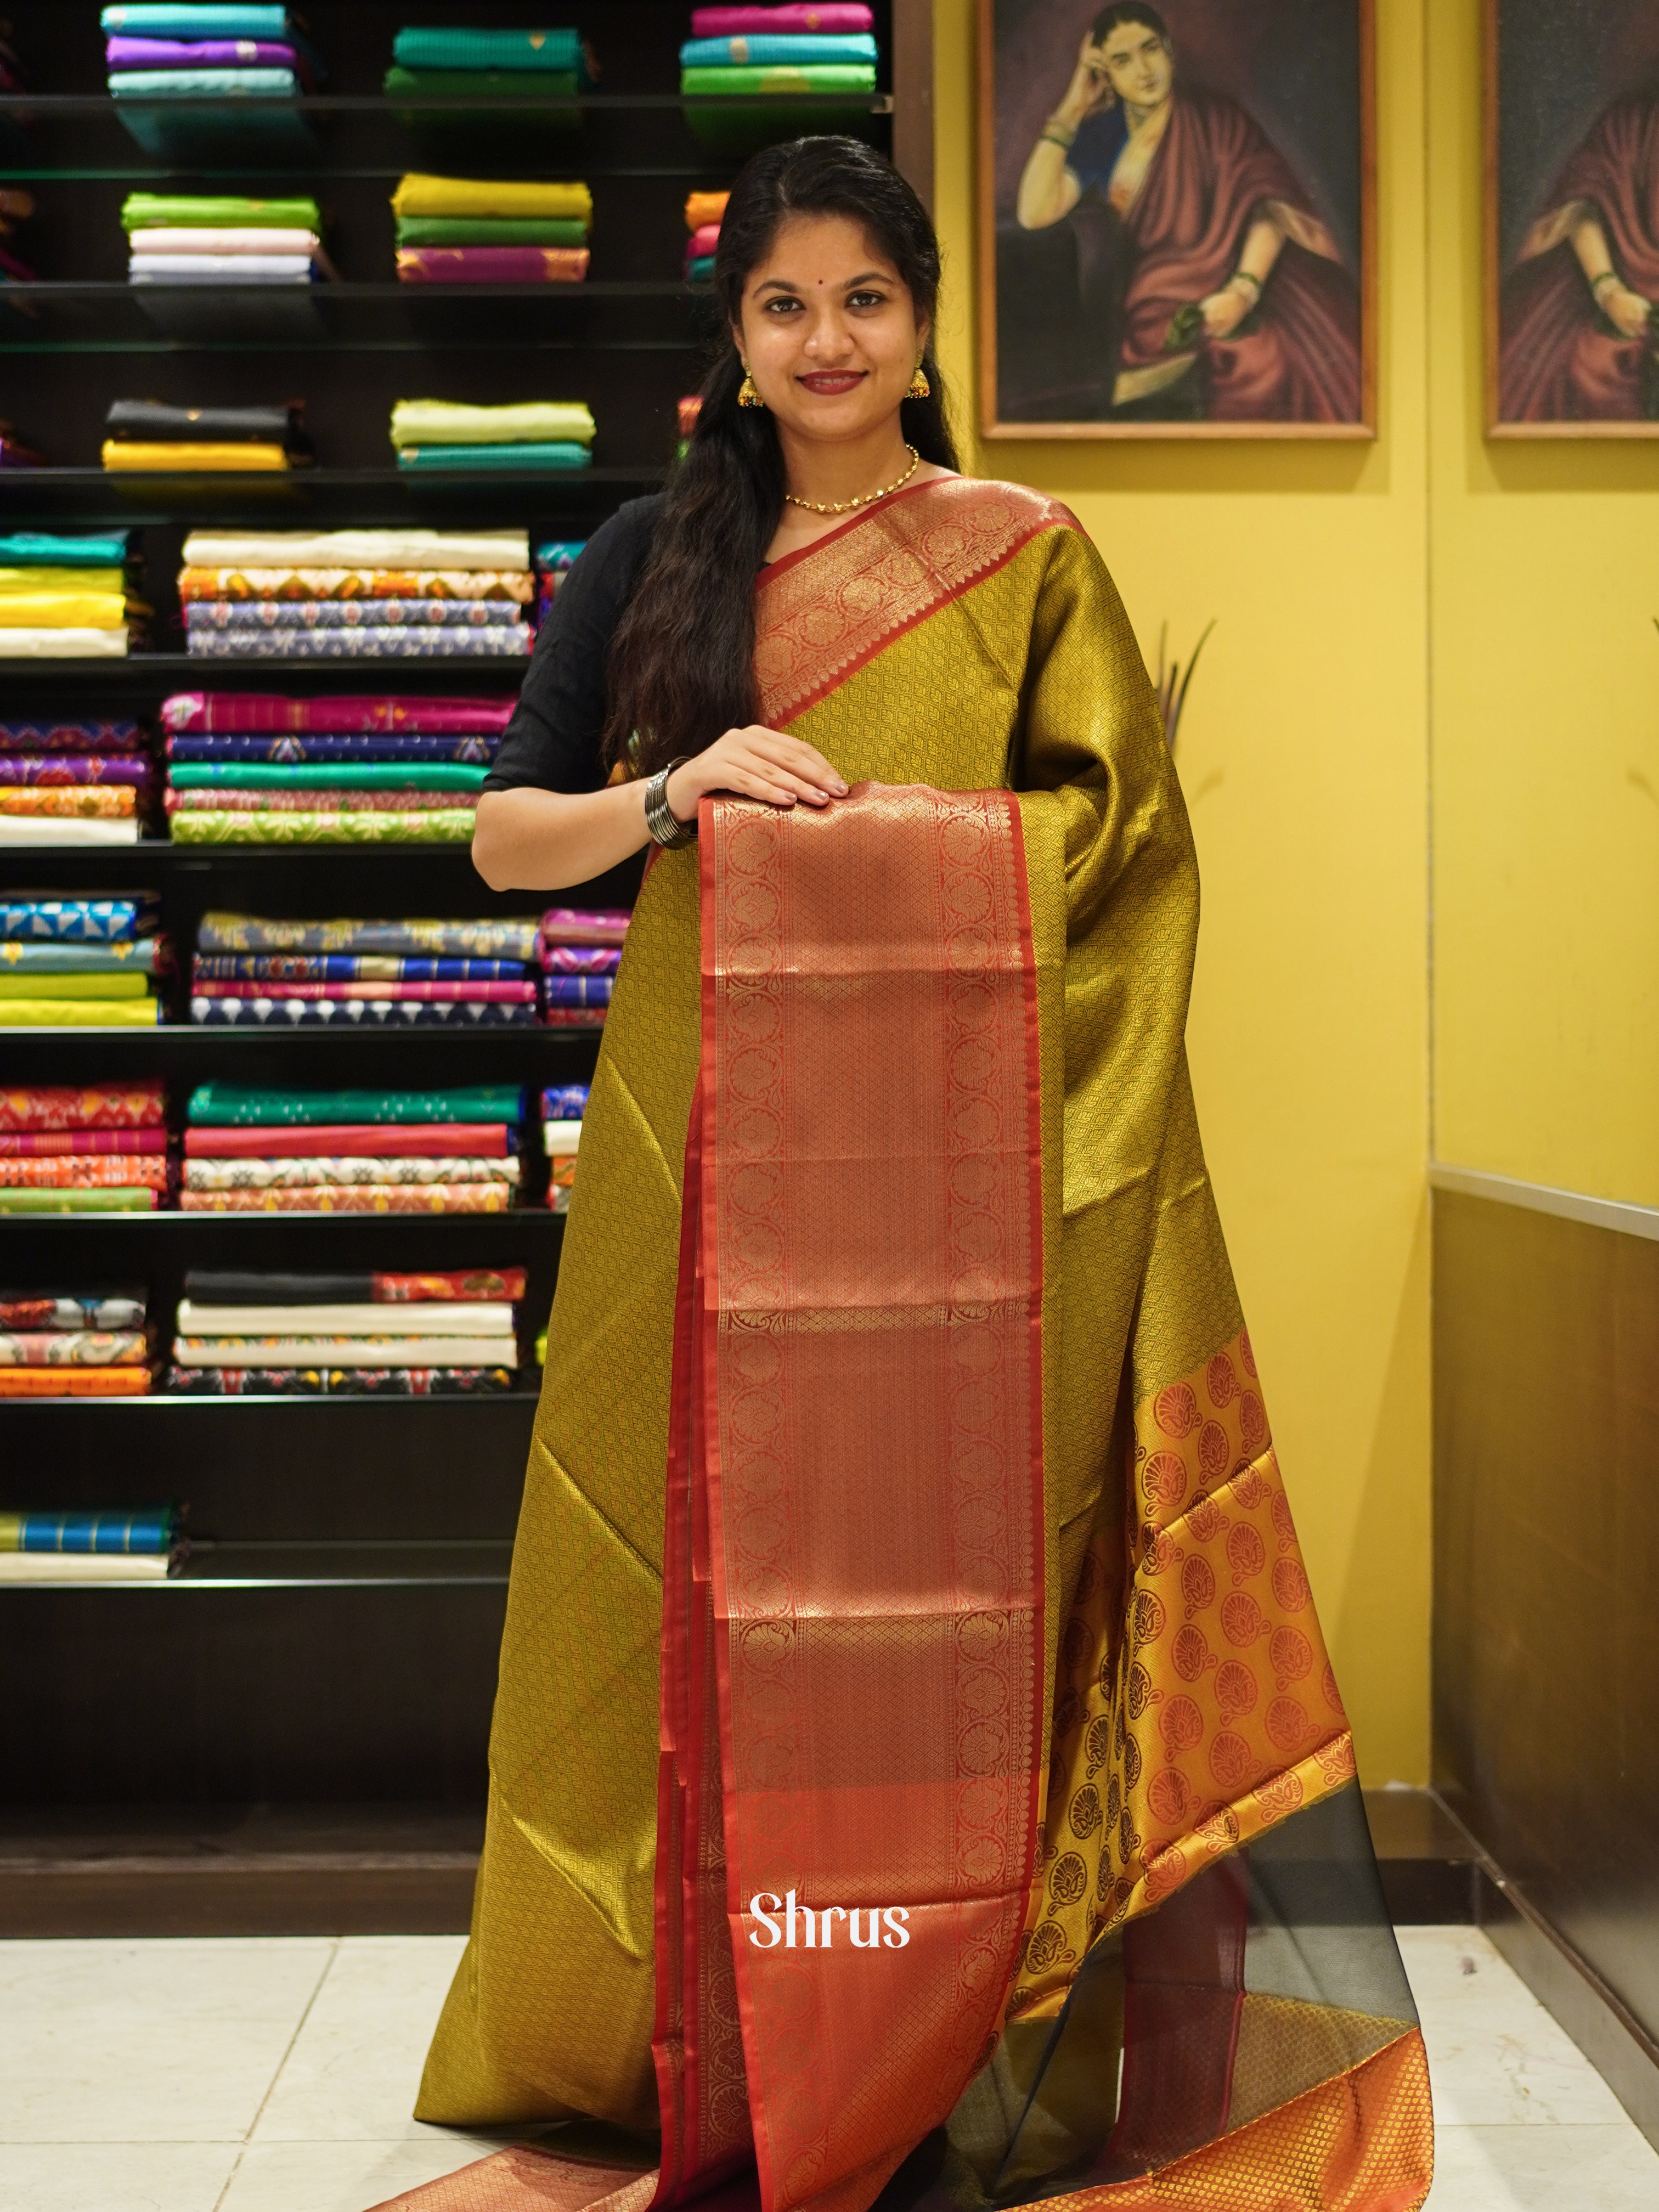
{"type": "Point", "coordinates": [331, 1639]}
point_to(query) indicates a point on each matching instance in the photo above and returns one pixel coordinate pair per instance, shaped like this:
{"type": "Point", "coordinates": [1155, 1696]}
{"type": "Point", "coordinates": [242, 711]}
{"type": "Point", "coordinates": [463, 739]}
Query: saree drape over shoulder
{"type": "Point", "coordinates": [917, 1772]}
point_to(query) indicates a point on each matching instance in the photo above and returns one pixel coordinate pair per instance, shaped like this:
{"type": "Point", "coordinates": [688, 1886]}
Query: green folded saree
{"type": "Point", "coordinates": [489, 84]}
{"type": "Point", "coordinates": [436, 825]}
{"type": "Point", "coordinates": [490, 230]}
{"type": "Point", "coordinates": [805, 76]}
{"type": "Point", "coordinates": [52, 988]}
{"type": "Point", "coordinates": [119, 1199]}
{"type": "Point", "coordinates": [216, 211]}
{"type": "Point", "coordinates": [240, 1106]}
{"type": "Point", "coordinates": [377, 775]}
{"type": "Point", "coordinates": [80, 1013]}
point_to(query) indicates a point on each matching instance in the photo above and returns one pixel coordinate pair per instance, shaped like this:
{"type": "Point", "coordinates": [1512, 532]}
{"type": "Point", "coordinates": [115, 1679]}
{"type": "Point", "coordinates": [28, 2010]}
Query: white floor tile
{"type": "Point", "coordinates": [145, 2177]}
{"type": "Point", "coordinates": [355, 2065]}
{"type": "Point", "coordinates": [343, 2177]}
{"type": "Point", "coordinates": [174, 2041]}
{"type": "Point", "coordinates": [1549, 2169]}
{"type": "Point", "coordinates": [1496, 2057]}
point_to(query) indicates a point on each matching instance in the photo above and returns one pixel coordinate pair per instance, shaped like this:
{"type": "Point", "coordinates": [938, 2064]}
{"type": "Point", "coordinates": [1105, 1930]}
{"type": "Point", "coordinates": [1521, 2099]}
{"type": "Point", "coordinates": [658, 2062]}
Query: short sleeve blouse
{"type": "Point", "coordinates": [552, 742]}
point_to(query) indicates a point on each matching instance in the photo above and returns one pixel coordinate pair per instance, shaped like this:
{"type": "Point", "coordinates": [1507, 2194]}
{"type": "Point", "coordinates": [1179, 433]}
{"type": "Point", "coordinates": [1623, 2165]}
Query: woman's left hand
{"type": "Point", "coordinates": [1223, 311]}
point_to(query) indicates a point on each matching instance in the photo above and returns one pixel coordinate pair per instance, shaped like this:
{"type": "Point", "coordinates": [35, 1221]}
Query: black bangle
{"type": "Point", "coordinates": [663, 824]}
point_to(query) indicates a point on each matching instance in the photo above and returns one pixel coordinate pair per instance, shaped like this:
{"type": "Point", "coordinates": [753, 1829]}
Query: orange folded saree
{"type": "Point", "coordinates": [917, 1775]}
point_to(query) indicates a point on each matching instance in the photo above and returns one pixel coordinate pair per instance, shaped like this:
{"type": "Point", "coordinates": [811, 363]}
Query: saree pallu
{"type": "Point", "coordinates": [936, 1576]}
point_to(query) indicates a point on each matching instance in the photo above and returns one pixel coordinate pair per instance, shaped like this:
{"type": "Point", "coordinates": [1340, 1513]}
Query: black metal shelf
{"type": "Point", "coordinates": [354, 498]}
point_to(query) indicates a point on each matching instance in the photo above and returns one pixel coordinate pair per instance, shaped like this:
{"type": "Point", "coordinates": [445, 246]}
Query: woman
{"type": "Point", "coordinates": [1580, 336]}
{"type": "Point", "coordinates": [911, 1699]}
{"type": "Point", "coordinates": [1236, 306]}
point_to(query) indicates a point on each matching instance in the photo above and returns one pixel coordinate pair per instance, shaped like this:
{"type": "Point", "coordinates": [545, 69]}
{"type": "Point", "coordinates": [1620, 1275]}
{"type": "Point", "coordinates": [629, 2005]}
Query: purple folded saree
{"type": "Point", "coordinates": [206, 53]}
{"type": "Point", "coordinates": [75, 768]}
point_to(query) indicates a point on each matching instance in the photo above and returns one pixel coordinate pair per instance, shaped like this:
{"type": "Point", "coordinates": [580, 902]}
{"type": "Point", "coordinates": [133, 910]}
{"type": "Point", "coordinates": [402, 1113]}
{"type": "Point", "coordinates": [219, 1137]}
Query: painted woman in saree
{"type": "Point", "coordinates": [1580, 336]}
{"type": "Point", "coordinates": [1234, 303]}
{"type": "Point", "coordinates": [902, 1528]}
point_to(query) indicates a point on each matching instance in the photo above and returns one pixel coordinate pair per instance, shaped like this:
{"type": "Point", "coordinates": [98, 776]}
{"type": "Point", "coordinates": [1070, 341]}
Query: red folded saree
{"type": "Point", "coordinates": [83, 1106]}
{"type": "Point", "coordinates": [1005, 1843]}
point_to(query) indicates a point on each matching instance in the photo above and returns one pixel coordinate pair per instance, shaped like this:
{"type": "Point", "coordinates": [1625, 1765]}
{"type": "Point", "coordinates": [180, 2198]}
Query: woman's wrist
{"type": "Point", "coordinates": [1241, 281]}
{"type": "Point", "coordinates": [1061, 129]}
{"type": "Point", "coordinates": [682, 794]}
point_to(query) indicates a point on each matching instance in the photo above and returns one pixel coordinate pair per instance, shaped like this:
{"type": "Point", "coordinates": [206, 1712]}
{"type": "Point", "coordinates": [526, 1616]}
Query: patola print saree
{"type": "Point", "coordinates": [918, 1777]}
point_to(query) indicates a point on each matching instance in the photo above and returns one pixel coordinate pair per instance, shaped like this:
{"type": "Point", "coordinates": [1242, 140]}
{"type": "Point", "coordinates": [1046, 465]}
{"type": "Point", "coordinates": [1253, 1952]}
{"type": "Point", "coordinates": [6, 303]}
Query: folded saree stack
{"type": "Point", "coordinates": [247, 768]}
{"type": "Point", "coordinates": [438, 434]}
{"type": "Point", "coordinates": [121, 1546]}
{"type": "Point", "coordinates": [83, 1148]}
{"type": "Point", "coordinates": [762, 60]}
{"type": "Point", "coordinates": [149, 434]}
{"type": "Point", "coordinates": [471, 230]}
{"type": "Point", "coordinates": [580, 951]}
{"type": "Point", "coordinates": [65, 598]}
{"type": "Point", "coordinates": [356, 594]}
{"type": "Point", "coordinates": [251, 974]}
{"type": "Point", "coordinates": [190, 81]}
{"type": "Point", "coordinates": [73, 1344]}
{"type": "Point", "coordinates": [554, 562]}
{"type": "Point", "coordinates": [87, 782]}
{"type": "Point", "coordinates": [53, 979]}
{"type": "Point", "coordinates": [430, 63]}
{"type": "Point", "coordinates": [563, 1108]}
{"type": "Point", "coordinates": [350, 1151]}
{"type": "Point", "coordinates": [347, 1335]}
{"type": "Point", "coordinates": [703, 215]}
{"type": "Point", "coordinates": [219, 239]}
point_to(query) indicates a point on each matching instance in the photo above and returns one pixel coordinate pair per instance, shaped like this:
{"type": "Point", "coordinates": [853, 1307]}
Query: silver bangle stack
{"type": "Point", "coordinates": [661, 820]}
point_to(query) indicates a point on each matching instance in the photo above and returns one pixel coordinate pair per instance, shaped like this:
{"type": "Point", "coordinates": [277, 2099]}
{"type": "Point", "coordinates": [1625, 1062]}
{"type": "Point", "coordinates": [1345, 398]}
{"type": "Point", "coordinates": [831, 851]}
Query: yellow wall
{"type": "Point", "coordinates": [1303, 757]}
{"type": "Point", "coordinates": [1545, 743]}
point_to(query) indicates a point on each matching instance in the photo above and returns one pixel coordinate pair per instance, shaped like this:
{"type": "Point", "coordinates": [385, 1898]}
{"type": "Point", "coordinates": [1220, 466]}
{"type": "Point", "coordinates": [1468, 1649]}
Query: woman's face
{"type": "Point", "coordinates": [1139, 65]}
{"type": "Point", "coordinates": [828, 329]}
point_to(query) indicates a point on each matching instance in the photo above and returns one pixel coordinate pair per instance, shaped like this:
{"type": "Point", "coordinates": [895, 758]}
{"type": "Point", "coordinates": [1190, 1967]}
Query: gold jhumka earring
{"type": "Point", "coordinates": [919, 387]}
{"type": "Point", "coordinates": [747, 395]}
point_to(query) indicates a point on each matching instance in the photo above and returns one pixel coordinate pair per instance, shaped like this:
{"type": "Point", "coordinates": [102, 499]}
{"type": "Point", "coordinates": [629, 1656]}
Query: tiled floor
{"type": "Point", "coordinates": [265, 2075]}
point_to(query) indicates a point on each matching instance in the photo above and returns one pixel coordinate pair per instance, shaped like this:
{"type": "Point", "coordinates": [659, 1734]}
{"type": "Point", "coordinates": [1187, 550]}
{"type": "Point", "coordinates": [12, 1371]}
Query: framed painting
{"type": "Point", "coordinates": [1177, 219]}
{"type": "Point", "coordinates": [1572, 218]}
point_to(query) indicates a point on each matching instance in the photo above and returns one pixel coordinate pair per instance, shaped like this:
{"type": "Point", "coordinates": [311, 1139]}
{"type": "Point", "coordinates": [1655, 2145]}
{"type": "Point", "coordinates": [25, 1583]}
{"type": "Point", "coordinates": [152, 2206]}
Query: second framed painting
{"type": "Point", "coordinates": [1177, 219]}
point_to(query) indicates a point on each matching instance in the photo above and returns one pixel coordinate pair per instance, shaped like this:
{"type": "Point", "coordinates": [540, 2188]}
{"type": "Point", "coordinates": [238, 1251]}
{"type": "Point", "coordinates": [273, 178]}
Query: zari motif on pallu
{"type": "Point", "coordinates": [690, 1648]}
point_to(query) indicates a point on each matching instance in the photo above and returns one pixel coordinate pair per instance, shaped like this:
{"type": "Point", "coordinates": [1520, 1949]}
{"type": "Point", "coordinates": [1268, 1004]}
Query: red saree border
{"type": "Point", "coordinates": [822, 613]}
{"type": "Point", "coordinates": [839, 2092]}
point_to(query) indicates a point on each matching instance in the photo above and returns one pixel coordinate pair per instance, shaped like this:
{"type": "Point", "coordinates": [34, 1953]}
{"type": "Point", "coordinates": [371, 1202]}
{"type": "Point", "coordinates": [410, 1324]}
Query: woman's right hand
{"type": "Point", "coordinates": [1627, 311]}
{"type": "Point", "coordinates": [1089, 90]}
{"type": "Point", "coordinates": [756, 764]}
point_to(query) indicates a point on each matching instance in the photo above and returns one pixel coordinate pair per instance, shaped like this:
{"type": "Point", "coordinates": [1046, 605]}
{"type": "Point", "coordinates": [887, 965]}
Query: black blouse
{"type": "Point", "coordinates": [552, 742]}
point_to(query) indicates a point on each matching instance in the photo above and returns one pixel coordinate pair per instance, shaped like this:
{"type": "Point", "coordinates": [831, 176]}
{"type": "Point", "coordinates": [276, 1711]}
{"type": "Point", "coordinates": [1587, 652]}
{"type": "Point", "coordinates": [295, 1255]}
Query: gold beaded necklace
{"type": "Point", "coordinates": [864, 499]}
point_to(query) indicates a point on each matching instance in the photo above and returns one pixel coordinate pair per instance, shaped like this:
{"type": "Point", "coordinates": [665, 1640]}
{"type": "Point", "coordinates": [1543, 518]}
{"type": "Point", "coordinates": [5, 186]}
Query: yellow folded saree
{"type": "Point", "coordinates": [916, 1765]}
{"type": "Point", "coordinates": [491, 196]}
{"type": "Point", "coordinates": [194, 457]}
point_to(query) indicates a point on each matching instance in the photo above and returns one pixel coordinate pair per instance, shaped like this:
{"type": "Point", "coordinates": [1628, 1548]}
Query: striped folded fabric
{"type": "Point", "coordinates": [353, 1139]}
{"type": "Point", "coordinates": [375, 641]}
{"type": "Point", "coordinates": [505, 939]}
{"type": "Point", "coordinates": [437, 992]}
{"type": "Point", "coordinates": [257, 586]}
{"type": "Point", "coordinates": [221, 799]}
{"type": "Point", "coordinates": [433, 826]}
{"type": "Point", "coordinates": [432, 1350]}
{"type": "Point", "coordinates": [380, 1198]}
{"type": "Point", "coordinates": [83, 1171]}
{"type": "Point", "coordinates": [323, 1173]}
{"type": "Point", "coordinates": [358, 1013]}
{"type": "Point", "coordinates": [338, 1381]}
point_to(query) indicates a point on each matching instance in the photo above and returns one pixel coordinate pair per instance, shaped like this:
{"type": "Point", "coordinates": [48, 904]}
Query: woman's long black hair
{"type": "Point", "coordinates": [681, 667]}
